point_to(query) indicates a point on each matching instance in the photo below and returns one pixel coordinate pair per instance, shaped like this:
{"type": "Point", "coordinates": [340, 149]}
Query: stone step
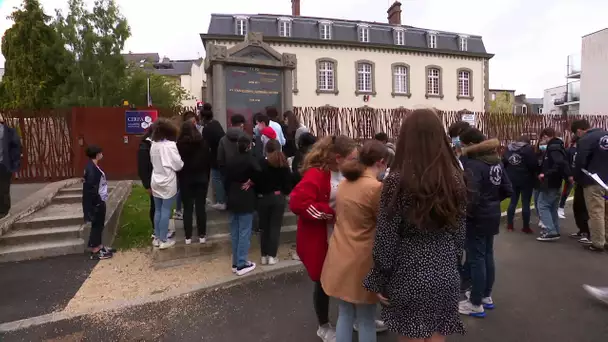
{"type": "Point", "coordinates": [221, 224]}
{"type": "Point", "coordinates": [25, 236]}
{"type": "Point", "coordinates": [51, 221]}
{"type": "Point", "coordinates": [67, 198]}
{"type": "Point", "coordinates": [78, 190]}
{"type": "Point", "coordinates": [39, 250]}
{"type": "Point", "coordinates": [219, 243]}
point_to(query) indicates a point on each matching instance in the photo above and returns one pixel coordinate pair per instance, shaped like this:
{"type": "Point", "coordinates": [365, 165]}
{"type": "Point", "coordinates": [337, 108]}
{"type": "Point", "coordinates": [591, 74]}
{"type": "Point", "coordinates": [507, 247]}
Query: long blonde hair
{"type": "Point", "coordinates": [323, 153]}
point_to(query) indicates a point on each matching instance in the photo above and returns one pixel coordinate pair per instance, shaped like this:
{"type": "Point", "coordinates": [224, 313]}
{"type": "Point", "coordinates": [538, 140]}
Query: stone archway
{"type": "Point", "coordinates": [248, 77]}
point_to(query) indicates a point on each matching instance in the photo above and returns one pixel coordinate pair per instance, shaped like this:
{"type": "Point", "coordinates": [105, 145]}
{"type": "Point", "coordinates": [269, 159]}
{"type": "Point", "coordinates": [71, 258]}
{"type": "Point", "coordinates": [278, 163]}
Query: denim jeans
{"type": "Point", "coordinates": [526, 197]}
{"type": "Point", "coordinates": [366, 321]}
{"type": "Point", "coordinates": [535, 193]}
{"type": "Point", "coordinates": [178, 205]}
{"type": "Point", "coordinates": [480, 262]}
{"type": "Point", "coordinates": [240, 233]}
{"type": "Point", "coordinates": [548, 203]}
{"type": "Point", "coordinates": [567, 189]}
{"type": "Point", "coordinates": [162, 215]}
{"type": "Point", "coordinates": [218, 186]}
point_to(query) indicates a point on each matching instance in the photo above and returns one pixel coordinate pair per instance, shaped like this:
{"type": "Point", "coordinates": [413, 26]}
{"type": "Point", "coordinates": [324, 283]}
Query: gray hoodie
{"type": "Point", "coordinates": [227, 147]}
{"type": "Point", "coordinates": [516, 146]}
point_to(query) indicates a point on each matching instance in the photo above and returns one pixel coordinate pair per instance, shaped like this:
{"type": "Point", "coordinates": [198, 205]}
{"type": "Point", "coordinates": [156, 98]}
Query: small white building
{"type": "Point", "coordinates": [594, 73]}
{"type": "Point", "coordinates": [549, 99]}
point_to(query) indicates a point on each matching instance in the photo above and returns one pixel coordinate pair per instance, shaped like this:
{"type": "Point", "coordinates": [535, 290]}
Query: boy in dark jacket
{"type": "Point", "coordinates": [554, 169]}
{"type": "Point", "coordinates": [592, 155]}
{"type": "Point", "coordinates": [568, 186]}
{"type": "Point", "coordinates": [521, 165]}
{"type": "Point", "coordinates": [213, 133]}
{"type": "Point", "coordinates": [489, 185]}
{"type": "Point", "coordinates": [144, 169]}
{"type": "Point", "coordinates": [94, 197]}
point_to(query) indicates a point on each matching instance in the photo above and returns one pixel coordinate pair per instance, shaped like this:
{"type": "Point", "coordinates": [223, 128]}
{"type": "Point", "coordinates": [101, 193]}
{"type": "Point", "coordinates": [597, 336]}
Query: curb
{"type": "Point", "coordinates": [284, 267]}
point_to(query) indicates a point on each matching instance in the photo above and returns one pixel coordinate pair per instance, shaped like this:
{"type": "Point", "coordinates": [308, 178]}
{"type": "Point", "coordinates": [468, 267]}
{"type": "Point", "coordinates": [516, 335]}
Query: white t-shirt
{"type": "Point", "coordinates": [166, 161]}
{"type": "Point", "coordinates": [336, 178]}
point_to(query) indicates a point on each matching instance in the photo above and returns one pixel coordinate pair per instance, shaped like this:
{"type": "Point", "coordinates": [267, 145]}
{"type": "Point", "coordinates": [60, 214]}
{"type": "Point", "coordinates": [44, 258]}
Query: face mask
{"type": "Point", "coordinates": [256, 130]}
{"type": "Point", "coordinates": [542, 147]}
{"type": "Point", "coordinates": [456, 142]}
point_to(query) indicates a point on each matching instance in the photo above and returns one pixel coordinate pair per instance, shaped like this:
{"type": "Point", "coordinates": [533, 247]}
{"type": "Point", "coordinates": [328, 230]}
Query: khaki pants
{"type": "Point", "coordinates": [598, 213]}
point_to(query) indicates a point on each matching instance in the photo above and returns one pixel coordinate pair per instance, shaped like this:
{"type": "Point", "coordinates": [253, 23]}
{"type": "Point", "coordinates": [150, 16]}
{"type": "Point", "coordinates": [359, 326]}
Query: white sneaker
{"type": "Point", "coordinates": [599, 293]}
{"type": "Point", "coordinates": [156, 242]}
{"type": "Point", "coordinates": [202, 239]}
{"type": "Point", "coordinates": [272, 260]}
{"type": "Point", "coordinates": [465, 307]}
{"type": "Point", "coordinates": [327, 333]}
{"type": "Point", "coordinates": [380, 327]}
{"type": "Point", "coordinates": [219, 206]}
{"type": "Point", "coordinates": [561, 213]}
{"type": "Point", "coordinates": [153, 236]}
{"type": "Point", "coordinates": [584, 241]}
{"type": "Point", "coordinates": [234, 269]}
{"type": "Point", "coordinates": [178, 215]}
{"type": "Point", "coordinates": [188, 241]}
{"type": "Point", "coordinates": [264, 260]}
{"type": "Point", "coordinates": [250, 267]}
{"type": "Point", "coordinates": [295, 256]}
{"type": "Point", "coordinates": [167, 244]}
{"type": "Point", "coordinates": [170, 234]}
{"type": "Point", "coordinates": [487, 302]}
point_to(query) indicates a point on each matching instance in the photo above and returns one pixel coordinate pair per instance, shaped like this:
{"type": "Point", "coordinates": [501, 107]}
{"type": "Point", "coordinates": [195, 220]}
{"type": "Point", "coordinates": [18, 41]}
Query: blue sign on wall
{"type": "Point", "coordinates": [138, 121]}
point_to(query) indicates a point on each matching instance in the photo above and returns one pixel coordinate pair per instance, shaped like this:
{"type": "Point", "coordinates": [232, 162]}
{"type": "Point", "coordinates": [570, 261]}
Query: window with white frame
{"type": "Point", "coordinates": [463, 43]}
{"type": "Point", "coordinates": [326, 76]}
{"type": "Point", "coordinates": [364, 77]}
{"type": "Point", "coordinates": [540, 110]}
{"type": "Point", "coordinates": [240, 25]}
{"type": "Point", "coordinates": [399, 36]}
{"type": "Point", "coordinates": [464, 81]}
{"type": "Point", "coordinates": [325, 30]}
{"type": "Point", "coordinates": [433, 40]}
{"type": "Point", "coordinates": [363, 33]}
{"type": "Point", "coordinates": [400, 79]}
{"type": "Point", "coordinates": [285, 27]}
{"type": "Point", "coordinates": [524, 109]}
{"type": "Point", "coordinates": [432, 84]}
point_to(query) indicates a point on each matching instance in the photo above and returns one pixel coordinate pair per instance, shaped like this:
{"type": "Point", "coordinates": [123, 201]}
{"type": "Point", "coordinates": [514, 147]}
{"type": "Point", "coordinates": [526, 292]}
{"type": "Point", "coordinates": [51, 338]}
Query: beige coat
{"type": "Point", "coordinates": [349, 257]}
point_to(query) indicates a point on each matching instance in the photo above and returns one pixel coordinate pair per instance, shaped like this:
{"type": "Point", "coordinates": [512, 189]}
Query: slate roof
{"type": "Point", "coordinates": [307, 28]}
{"type": "Point", "coordinates": [138, 57]}
{"type": "Point", "coordinates": [535, 101]}
{"type": "Point", "coordinates": [168, 68]}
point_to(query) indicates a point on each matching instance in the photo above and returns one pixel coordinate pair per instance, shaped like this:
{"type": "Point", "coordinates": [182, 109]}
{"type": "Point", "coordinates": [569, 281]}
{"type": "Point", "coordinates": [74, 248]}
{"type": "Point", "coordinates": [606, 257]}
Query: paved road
{"type": "Point", "coordinates": [538, 296]}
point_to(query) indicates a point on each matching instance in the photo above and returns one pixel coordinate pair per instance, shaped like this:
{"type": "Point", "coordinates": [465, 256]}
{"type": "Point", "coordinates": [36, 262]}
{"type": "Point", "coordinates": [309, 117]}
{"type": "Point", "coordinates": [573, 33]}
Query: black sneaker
{"type": "Point", "coordinates": [101, 255]}
{"type": "Point", "coordinates": [544, 237]}
{"type": "Point", "coordinates": [576, 235]}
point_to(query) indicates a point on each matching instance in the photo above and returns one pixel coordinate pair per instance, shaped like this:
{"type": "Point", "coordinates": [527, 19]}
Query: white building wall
{"type": "Point", "coordinates": [346, 78]}
{"type": "Point", "coordinates": [548, 99]}
{"type": "Point", "coordinates": [193, 83]}
{"type": "Point", "coordinates": [594, 74]}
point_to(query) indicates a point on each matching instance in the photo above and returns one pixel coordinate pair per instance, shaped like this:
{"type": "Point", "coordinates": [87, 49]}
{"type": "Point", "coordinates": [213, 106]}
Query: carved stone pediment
{"type": "Point", "coordinates": [216, 52]}
{"type": "Point", "coordinates": [290, 60]}
{"type": "Point", "coordinates": [254, 52]}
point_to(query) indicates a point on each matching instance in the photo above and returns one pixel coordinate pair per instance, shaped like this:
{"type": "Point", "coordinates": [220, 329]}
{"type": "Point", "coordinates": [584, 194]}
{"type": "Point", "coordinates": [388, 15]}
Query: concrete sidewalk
{"type": "Point", "coordinates": [20, 192]}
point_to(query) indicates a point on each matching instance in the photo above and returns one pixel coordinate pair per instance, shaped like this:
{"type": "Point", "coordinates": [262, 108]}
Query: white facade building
{"type": "Point", "coordinates": [549, 98]}
{"type": "Point", "coordinates": [594, 73]}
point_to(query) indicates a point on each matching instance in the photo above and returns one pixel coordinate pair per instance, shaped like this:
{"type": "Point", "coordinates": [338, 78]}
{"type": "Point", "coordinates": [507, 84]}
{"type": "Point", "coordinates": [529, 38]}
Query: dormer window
{"type": "Point", "coordinates": [325, 30]}
{"type": "Point", "coordinates": [399, 36]}
{"type": "Point", "coordinates": [363, 33]}
{"type": "Point", "coordinates": [432, 40]}
{"type": "Point", "coordinates": [462, 43]}
{"type": "Point", "coordinates": [240, 25]}
{"type": "Point", "coordinates": [284, 27]}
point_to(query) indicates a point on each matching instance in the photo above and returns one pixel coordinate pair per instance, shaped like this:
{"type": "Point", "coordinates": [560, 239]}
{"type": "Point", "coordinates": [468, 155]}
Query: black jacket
{"type": "Point", "coordinates": [271, 179]}
{"type": "Point", "coordinates": [488, 186]}
{"type": "Point", "coordinates": [290, 147]}
{"type": "Point", "coordinates": [592, 155]}
{"type": "Point", "coordinates": [555, 165]}
{"type": "Point", "coordinates": [144, 165]}
{"type": "Point", "coordinates": [238, 170]}
{"type": "Point", "coordinates": [296, 177]}
{"type": "Point", "coordinates": [227, 148]}
{"type": "Point", "coordinates": [521, 164]}
{"type": "Point", "coordinates": [213, 133]}
{"type": "Point", "coordinates": [196, 156]}
{"type": "Point", "coordinates": [11, 147]}
{"type": "Point", "coordinates": [90, 191]}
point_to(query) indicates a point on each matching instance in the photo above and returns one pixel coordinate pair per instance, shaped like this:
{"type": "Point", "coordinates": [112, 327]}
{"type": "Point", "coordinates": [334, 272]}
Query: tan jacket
{"type": "Point", "coordinates": [349, 257]}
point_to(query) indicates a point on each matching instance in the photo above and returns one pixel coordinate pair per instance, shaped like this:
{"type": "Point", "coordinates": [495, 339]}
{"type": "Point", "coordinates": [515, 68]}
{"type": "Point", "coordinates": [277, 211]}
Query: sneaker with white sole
{"type": "Point", "coordinates": [202, 240]}
{"type": "Point", "coordinates": [585, 241]}
{"type": "Point", "coordinates": [380, 327]}
{"type": "Point", "coordinates": [599, 293]}
{"type": "Point", "coordinates": [178, 215]}
{"type": "Point", "coordinates": [264, 260]}
{"type": "Point", "coordinates": [156, 242]}
{"type": "Point", "coordinates": [188, 241]}
{"type": "Point", "coordinates": [170, 234]}
{"type": "Point", "coordinates": [546, 237]}
{"type": "Point", "coordinates": [561, 213]}
{"type": "Point", "coordinates": [233, 268]}
{"type": "Point", "coordinates": [250, 266]}
{"type": "Point", "coordinates": [219, 206]}
{"type": "Point", "coordinates": [487, 302]}
{"type": "Point", "coordinates": [465, 307]}
{"type": "Point", "coordinates": [327, 333]}
{"type": "Point", "coordinates": [167, 244]}
{"type": "Point", "coordinates": [272, 260]}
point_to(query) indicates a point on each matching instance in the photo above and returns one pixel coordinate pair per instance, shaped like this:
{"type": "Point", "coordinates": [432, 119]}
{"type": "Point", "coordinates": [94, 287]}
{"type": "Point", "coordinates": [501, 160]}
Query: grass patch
{"type": "Point", "coordinates": [504, 205]}
{"type": "Point", "coordinates": [134, 228]}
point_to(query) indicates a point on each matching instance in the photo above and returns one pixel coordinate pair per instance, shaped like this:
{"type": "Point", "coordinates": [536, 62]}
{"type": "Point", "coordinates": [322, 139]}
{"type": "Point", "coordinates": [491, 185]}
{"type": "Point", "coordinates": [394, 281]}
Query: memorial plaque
{"type": "Point", "coordinates": [250, 90]}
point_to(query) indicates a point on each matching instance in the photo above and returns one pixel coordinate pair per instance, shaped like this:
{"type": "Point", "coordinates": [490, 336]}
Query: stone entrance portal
{"type": "Point", "coordinates": [247, 78]}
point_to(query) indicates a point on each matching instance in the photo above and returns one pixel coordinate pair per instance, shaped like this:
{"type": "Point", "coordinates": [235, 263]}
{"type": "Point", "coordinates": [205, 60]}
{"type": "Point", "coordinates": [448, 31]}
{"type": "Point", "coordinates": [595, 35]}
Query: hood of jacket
{"type": "Point", "coordinates": [391, 147]}
{"type": "Point", "coordinates": [484, 151]}
{"type": "Point", "coordinates": [233, 133]}
{"type": "Point", "coordinates": [516, 146]}
{"type": "Point", "coordinates": [555, 143]}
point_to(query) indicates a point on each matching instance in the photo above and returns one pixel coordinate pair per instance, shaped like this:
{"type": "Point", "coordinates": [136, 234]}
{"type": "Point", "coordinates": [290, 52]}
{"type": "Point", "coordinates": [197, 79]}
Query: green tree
{"type": "Point", "coordinates": [34, 65]}
{"type": "Point", "coordinates": [503, 103]}
{"type": "Point", "coordinates": [164, 91]}
{"type": "Point", "coordinates": [95, 40]}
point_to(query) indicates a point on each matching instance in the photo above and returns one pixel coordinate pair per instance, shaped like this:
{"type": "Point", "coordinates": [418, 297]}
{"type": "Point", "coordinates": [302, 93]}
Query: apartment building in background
{"type": "Point", "coordinates": [356, 63]}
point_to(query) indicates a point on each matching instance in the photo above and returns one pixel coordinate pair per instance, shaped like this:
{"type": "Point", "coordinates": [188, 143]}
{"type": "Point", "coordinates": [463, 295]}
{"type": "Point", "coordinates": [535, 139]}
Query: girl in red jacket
{"type": "Point", "coordinates": [313, 201]}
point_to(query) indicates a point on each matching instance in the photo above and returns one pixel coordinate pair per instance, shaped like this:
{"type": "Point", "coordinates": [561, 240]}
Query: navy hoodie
{"type": "Point", "coordinates": [521, 164]}
{"type": "Point", "coordinates": [488, 186]}
{"type": "Point", "coordinates": [592, 155]}
{"type": "Point", "coordinates": [555, 165]}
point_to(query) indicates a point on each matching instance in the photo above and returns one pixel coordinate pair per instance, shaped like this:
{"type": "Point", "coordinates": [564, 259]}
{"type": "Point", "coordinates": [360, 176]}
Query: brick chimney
{"type": "Point", "coordinates": [295, 8]}
{"type": "Point", "coordinates": [394, 13]}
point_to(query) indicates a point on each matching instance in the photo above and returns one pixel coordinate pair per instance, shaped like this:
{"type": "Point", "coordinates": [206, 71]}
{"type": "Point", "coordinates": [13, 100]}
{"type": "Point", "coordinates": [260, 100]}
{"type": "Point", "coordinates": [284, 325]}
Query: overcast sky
{"type": "Point", "coordinates": [530, 38]}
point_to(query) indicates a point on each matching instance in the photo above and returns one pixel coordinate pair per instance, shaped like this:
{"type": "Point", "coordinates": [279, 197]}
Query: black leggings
{"type": "Point", "coordinates": [321, 303]}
